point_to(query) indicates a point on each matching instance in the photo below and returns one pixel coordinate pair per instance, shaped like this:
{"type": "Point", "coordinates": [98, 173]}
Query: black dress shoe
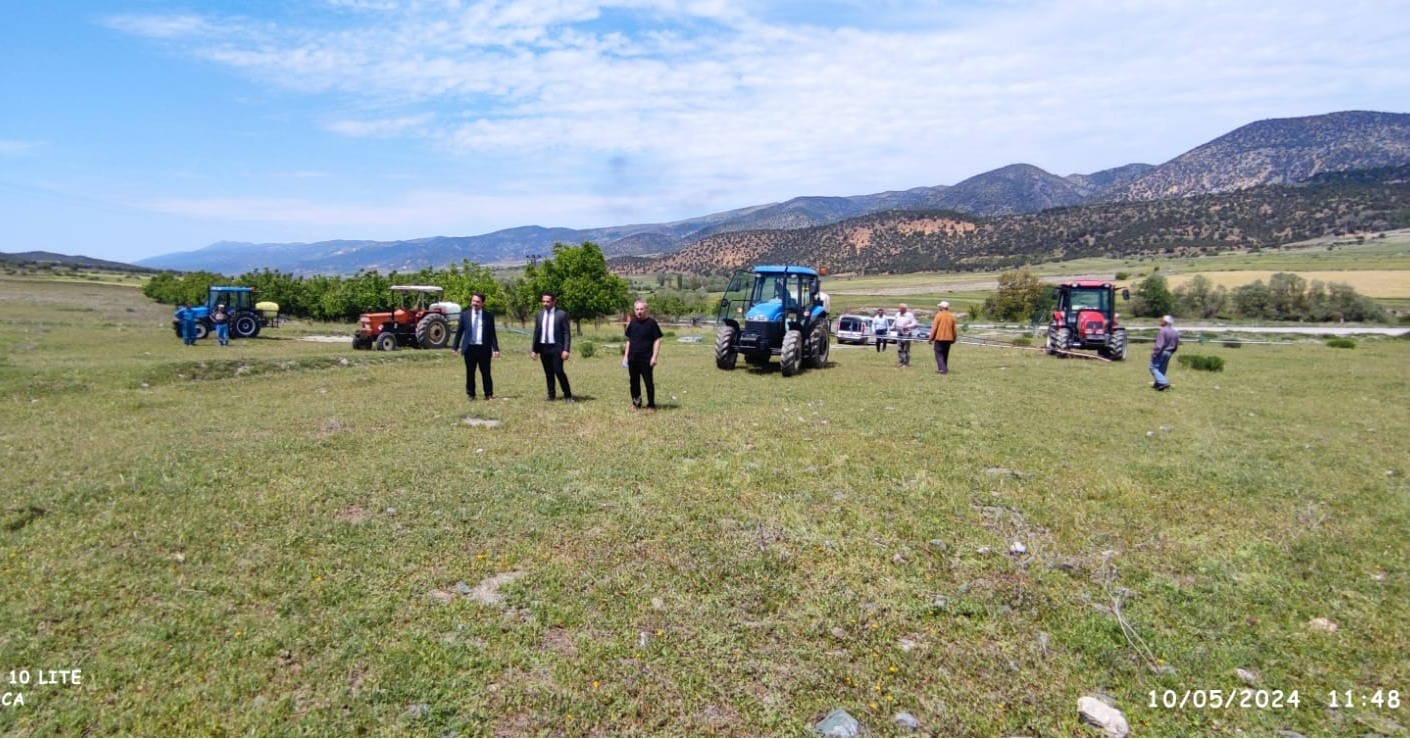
{"type": "Point", "coordinates": [1163, 388]}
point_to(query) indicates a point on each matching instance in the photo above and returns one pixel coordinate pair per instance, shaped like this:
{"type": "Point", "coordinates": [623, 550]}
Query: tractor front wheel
{"type": "Point", "coordinates": [818, 351]}
{"type": "Point", "coordinates": [360, 342]}
{"type": "Point", "coordinates": [725, 353]}
{"type": "Point", "coordinates": [1062, 342]}
{"type": "Point", "coordinates": [245, 326]}
{"type": "Point", "coordinates": [432, 331]}
{"type": "Point", "coordinates": [386, 341]}
{"type": "Point", "coordinates": [791, 355]}
{"type": "Point", "coordinates": [1116, 347]}
{"type": "Point", "coordinates": [202, 330]}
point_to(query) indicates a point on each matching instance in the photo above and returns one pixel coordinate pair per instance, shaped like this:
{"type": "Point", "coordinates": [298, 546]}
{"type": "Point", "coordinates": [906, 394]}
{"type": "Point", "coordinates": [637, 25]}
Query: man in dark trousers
{"type": "Point", "coordinates": [640, 355]}
{"type": "Point", "coordinates": [475, 340]}
{"type": "Point", "coordinates": [552, 340]}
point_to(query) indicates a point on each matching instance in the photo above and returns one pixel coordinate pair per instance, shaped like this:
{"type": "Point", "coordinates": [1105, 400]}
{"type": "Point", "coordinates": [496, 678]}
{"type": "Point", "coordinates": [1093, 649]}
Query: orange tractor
{"type": "Point", "coordinates": [415, 321]}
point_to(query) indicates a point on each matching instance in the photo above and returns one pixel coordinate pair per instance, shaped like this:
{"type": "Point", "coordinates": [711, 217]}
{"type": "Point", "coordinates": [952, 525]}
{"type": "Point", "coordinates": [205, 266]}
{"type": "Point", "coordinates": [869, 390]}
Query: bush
{"type": "Point", "coordinates": [587, 349]}
{"type": "Point", "coordinates": [1341, 342]}
{"type": "Point", "coordinates": [1023, 341]}
{"type": "Point", "coordinates": [1232, 344]}
{"type": "Point", "coordinates": [1201, 362]}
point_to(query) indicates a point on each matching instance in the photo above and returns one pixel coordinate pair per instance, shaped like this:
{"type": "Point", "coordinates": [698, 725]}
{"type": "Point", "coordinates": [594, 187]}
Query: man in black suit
{"type": "Point", "coordinates": [552, 339]}
{"type": "Point", "coordinates": [475, 339]}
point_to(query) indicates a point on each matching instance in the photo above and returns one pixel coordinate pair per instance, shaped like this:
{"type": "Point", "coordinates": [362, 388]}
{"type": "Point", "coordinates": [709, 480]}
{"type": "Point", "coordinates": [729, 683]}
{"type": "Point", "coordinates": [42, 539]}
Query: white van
{"type": "Point", "coordinates": [853, 329]}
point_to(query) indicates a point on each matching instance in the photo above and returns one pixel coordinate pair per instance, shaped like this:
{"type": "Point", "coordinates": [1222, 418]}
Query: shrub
{"type": "Point", "coordinates": [1232, 344]}
{"type": "Point", "coordinates": [1341, 342]}
{"type": "Point", "coordinates": [1023, 341]}
{"type": "Point", "coordinates": [587, 349]}
{"type": "Point", "coordinates": [1201, 362]}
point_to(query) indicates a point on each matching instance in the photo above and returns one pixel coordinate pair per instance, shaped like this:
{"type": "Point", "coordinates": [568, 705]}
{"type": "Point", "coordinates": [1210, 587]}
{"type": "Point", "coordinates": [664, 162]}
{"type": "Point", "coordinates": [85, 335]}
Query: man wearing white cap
{"type": "Point", "coordinates": [942, 335]}
{"type": "Point", "coordinates": [905, 323]}
{"type": "Point", "coordinates": [1167, 340]}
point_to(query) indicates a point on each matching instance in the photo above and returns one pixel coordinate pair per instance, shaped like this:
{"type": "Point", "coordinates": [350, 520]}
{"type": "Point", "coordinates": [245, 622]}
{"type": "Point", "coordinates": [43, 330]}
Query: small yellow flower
{"type": "Point", "coordinates": [595, 684]}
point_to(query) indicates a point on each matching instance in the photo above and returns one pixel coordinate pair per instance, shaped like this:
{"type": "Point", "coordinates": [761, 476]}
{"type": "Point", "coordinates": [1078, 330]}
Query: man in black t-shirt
{"type": "Point", "coordinates": [640, 354]}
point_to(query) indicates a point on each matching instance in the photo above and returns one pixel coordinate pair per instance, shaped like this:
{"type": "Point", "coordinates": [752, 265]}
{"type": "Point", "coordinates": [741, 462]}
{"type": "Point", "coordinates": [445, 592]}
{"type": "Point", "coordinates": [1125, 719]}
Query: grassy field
{"type": "Point", "coordinates": [289, 537]}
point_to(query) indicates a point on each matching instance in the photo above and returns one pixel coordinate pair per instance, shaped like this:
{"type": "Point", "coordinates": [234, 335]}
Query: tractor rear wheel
{"type": "Point", "coordinates": [791, 355]}
{"type": "Point", "coordinates": [432, 331]}
{"type": "Point", "coordinates": [725, 354]}
{"type": "Point", "coordinates": [1116, 346]}
{"type": "Point", "coordinates": [386, 341]}
{"type": "Point", "coordinates": [245, 326]}
{"type": "Point", "coordinates": [817, 352]}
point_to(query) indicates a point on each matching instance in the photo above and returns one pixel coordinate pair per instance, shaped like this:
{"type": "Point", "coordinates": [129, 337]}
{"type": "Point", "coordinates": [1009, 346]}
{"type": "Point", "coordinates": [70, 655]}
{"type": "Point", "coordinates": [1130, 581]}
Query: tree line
{"type": "Point", "coordinates": [577, 275]}
{"type": "Point", "coordinates": [1022, 296]}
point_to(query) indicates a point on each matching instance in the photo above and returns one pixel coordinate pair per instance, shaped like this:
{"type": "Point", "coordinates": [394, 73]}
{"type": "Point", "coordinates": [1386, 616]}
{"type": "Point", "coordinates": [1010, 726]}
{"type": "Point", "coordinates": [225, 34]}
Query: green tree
{"type": "Point", "coordinates": [586, 290]}
{"type": "Point", "coordinates": [1251, 300]}
{"type": "Point", "coordinates": [1200, 298]}
{"type": "Point", "coordinates": [464, 280]}
{"type": "Point", "coordinates": [1019, 297]}
{"type": "Point", "coordinates": [1287, 297]}
{"type": "Point", "coordinates": [1153, 297]}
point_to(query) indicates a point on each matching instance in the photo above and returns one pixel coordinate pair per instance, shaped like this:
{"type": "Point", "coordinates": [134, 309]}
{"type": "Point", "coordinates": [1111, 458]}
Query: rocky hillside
{"type": "Point", "coordinates": [1276, 152]}
{"type": "Point", "coordinates": [1335, 204]}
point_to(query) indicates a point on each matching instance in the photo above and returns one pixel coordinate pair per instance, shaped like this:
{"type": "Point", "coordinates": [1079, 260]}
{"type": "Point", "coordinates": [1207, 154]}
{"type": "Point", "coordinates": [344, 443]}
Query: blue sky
{"type": "Point", "coordinates": [132, 128]}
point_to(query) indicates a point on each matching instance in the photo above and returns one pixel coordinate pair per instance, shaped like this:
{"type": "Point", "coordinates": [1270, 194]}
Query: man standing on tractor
{"type": "Point", "coordinates": [943, 335]}
{"type": "Point", "coordinates": [475, 340]}
{"type": "Point", "coordinates": [1167, 340]}
{"type": "Point", "coordinates": [905, 323]}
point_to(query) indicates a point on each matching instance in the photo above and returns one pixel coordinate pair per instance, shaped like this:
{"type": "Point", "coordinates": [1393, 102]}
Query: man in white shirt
{"type": "Point", "coordinates": [879, 327]}
{"type": "Point", "coordinates": [552, 341]}
{"type": "Point", "coordinates": [904, 324]}
{"type": "Point", "coordinates": [475, 339]}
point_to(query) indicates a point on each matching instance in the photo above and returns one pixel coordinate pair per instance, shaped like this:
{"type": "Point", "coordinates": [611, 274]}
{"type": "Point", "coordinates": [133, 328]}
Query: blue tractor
{"type": "Point", "coordinates": [774, 310]}
{"type": "Point", "coordinates": [247, 317]}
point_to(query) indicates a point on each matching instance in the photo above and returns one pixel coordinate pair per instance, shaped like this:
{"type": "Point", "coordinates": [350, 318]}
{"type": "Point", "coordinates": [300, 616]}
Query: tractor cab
{"type": "Point", "coordinates": [774, 310]}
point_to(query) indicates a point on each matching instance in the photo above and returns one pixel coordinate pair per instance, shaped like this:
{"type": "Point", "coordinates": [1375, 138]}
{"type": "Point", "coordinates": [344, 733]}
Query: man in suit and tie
{"type": "Point", "coordinates": [475, 339]}
{"type": "Point", "coordinates": [552, 339]}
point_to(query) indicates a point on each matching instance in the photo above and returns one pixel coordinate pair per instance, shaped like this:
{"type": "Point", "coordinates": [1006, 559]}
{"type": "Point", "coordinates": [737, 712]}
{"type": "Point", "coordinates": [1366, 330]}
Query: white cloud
{"type": "Point", "coordinates": [710, 96]}
{"type": "Point", "coordinates": [424, 210]}
{"type": "Point", "coordinates": [17, 148]}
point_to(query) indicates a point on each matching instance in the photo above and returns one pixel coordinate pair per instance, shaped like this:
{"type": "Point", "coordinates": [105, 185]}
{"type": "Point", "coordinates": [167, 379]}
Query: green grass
{"type": "Point", "coordinates": [279, 549]}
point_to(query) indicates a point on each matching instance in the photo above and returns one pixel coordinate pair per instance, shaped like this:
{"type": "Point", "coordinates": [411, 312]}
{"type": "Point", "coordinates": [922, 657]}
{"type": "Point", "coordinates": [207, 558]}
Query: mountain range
{"type": "Point", "coordinates": [1263, 154]}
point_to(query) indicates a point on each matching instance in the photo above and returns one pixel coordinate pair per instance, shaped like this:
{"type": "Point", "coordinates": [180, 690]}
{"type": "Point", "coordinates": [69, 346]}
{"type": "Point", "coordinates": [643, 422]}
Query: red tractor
{"type": "Point", "coordinates": [415, 321]}
{"type": "Point", "coordinates": [1085, 318]}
